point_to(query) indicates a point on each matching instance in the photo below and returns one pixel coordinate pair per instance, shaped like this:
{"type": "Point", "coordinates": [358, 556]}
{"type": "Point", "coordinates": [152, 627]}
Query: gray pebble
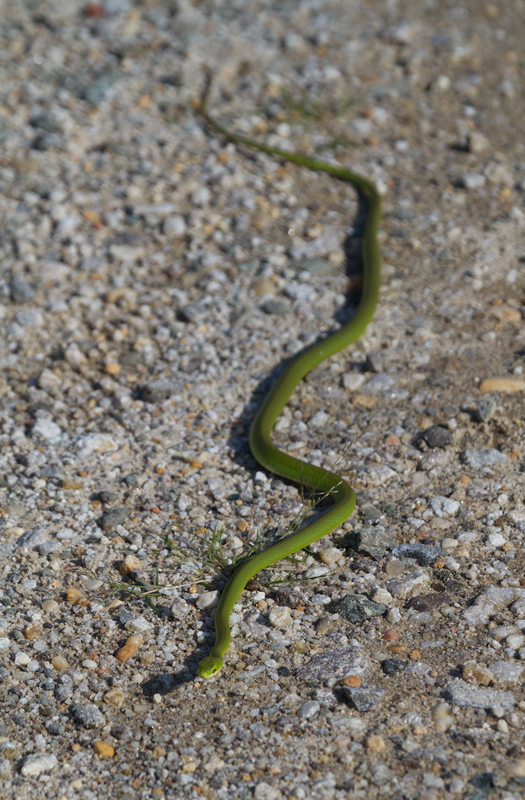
{"type": "Point", "coordinates": [21, 292]}
{"type": "Point", "coordinates": [364, 698]}
{"type": "Point", "coordinates": [193, 312]}
{"type": "Point", "coordinates": [489, 457]}
{"type": "Point", "coordinates": [274, 306]}
{"type": "Point", "coordinates": [472, 180]}
{"type": "Point", "coordinates": [370, 541]}
{"type": "Point", "coordinates": [115, 516]}
{"type": "Point", "coordinates": [424, 554]}
{"type": "Point", "coordinates": [336, 664]}
{"type": "Point", "coordinates": [317, 266]}
{"type": "Point", "coordinates": [87, 715]}
{"type": "Point", "coordinates": [309, 709]}
{"type": "Point", "coordinates": [466, 695]}
{"type": "Point", "coordinates": [174, 226]}
{"type": "Point", "coordinates": [30, 318]}
{"type": "Point", "coordinates": [106, 496]}
{"type": "Point", "coordinates": [357, 608]}
{"type": "Point", "coordinates": [484, 409]}
{"type": "Point", "coordinates": [157, 390]}
{"type": "Point", "coordinates": [506, 672]}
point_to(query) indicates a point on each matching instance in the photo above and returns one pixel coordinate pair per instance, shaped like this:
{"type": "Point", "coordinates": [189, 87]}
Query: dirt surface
{"type": "Point", "coordinates": [154, 280]}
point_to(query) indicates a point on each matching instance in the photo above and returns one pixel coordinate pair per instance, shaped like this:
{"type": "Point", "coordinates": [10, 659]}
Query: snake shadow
{"type": "Point", "coordinates": [353, 267]}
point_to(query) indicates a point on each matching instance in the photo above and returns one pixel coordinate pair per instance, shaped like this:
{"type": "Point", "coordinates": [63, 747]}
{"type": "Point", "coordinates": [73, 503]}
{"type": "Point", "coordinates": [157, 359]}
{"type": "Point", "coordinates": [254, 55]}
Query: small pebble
{"type": "Point", "coordinates": [375, 743]}
{"type": "Point", "coordinates": [103, 749]}
{"type": "Point", "coordinates": [280, 617]}
{"type": "Point", "coordinates": [442, 717]}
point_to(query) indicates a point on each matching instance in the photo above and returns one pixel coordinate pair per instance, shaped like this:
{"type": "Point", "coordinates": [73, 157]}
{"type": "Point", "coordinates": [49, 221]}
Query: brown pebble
{"type": "Point", "coordinates": [32, 632]}
{"type": "Point", "coordinates": [131, 648]}
{"type": "Point", "coordinates": [126, 652]}
{"type": "Point", "coordinates": [76, 597]}
{"type": "Point", "coordinates": [59, 662]}
{"type": "Point", "coordinates": [67, 483]}
{"type": "Point", "coordinates": [391, 635]}
{"type": "Point", "coordinates": [506, 385]}
{"type": "Point", "coordinates": [103, 749]}
{"type": "Point", "coordinates": [391, 440]}
{"type": "Point", "coordinates": [375, 743]}
{"type": "Point", "coordinates": [129, 564]}
{"type": "Point", "coordinates": [364, 400]}
{"type": "Point", "coordinates": [352, 680]}
{"type": "Point", "coordinates": [398, 648]}
{"type": "Point", "coordinates": [477, 673]}
{"type": "Point", "coordinates": [158, 751]}
{"type": "Point", "coordinates": [242, 526]}
{"type": "Point", "coordinates": [414, 655]}
{"type": "Point", "coordinates": [112, 368]}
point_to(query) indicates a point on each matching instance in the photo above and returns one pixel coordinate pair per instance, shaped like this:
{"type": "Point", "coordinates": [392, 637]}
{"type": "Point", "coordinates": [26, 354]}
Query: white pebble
{"type": "Point", "coordinates": [353, 380]}
{"type": "Point", "coordinates": [280, 617]}
{"type": "Point", "coordinates": [174, 226]}
{"type": "Point", "coordinates": [37, 763]}
{"type": "Point", "coordinates": [496, 539]}
{"type": "Point", "coordinates": [208, 600]}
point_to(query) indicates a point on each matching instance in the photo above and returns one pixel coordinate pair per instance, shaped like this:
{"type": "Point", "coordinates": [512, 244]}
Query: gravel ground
{"type": "Point", "coordinates": [153, 280]}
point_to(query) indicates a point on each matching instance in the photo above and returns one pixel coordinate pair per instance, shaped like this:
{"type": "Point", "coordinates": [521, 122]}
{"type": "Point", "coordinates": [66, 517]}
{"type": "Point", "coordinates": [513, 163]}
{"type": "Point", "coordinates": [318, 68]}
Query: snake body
{"type": "Point", "coordinates": [263, 450]}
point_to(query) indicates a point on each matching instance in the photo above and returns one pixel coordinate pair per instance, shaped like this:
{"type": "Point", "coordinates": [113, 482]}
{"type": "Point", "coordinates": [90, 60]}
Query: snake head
{"type": "Point", "coordinates": [210, 666]}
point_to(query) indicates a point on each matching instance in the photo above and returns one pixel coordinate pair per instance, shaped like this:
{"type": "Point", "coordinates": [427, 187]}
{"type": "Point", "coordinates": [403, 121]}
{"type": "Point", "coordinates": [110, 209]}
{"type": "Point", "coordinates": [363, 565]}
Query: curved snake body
{"type": "Point", "coordinates": [263, 450]}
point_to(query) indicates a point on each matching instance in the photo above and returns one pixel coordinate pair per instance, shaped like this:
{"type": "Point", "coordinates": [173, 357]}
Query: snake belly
{"type": "Point", "coordinates": [263, 450]}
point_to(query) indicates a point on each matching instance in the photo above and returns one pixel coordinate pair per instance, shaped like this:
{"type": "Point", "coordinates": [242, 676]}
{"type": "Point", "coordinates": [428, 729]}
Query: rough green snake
{"type": "Point", "coordinates": [263, 450]}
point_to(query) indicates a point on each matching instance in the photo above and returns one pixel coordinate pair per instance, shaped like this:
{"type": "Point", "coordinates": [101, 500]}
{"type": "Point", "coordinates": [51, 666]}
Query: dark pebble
{"type": "Point", "coordinates": [125, 616]}
{"type": "Point", "coordinates": [106, 496]}
{"type": "Point", "coordinates": [424, 602]}
{"type": "Point", "coordinates": [115, 516]}
{"type": "Point", "coordinates": [193, 312]}
{"type": "Point", "coordinates": [279, 307]}
{"type": "Point", "coordinates": [483, 780]}
{"type": "Point", "coordinates": [357, 608]}
{"type": "Point", "coordinates": [158, 390]}
{"type": "Point", "coordinates": [375, 362]}
{"type": "Point", "coordinates": [435, 436]}
{"type": "Point", "coordinates": [131, 479]}
{"type": "Point", "coordinates": [391, 666]}
{"type": "Point", "coordinates": [450, 581]}
{"type": "Point", "coordinates": [364, 698]}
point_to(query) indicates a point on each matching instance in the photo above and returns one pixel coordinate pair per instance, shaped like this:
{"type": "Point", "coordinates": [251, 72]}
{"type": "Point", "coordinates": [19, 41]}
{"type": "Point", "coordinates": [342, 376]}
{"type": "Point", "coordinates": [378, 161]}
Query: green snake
{"type": "Point", "coordinates": [263, 450]}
